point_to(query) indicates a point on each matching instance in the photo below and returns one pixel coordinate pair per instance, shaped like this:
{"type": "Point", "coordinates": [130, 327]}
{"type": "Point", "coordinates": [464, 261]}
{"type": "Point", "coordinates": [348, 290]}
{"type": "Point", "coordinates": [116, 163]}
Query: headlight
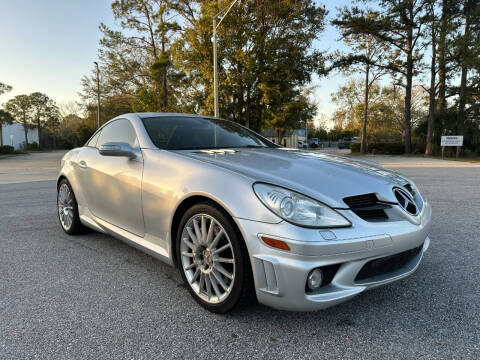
{"type": "Point", "coordinates": [297, 208]}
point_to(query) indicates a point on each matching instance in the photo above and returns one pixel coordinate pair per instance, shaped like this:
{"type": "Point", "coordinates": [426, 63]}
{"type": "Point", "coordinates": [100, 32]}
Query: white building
{"type": "Point", "coordinates": [290, 139]}
{"type": "Point", "coordinates": [14, 135]}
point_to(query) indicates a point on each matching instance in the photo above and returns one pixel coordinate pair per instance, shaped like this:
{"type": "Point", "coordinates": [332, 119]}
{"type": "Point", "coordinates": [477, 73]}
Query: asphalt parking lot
{"type": "Point", "coordinates": [92, 296]}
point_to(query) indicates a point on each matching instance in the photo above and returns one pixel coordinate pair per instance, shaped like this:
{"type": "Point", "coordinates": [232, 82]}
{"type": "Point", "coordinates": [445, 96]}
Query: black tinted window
{"type": "Point", "coordinates": [118, 131]}
{"type": "Point", "coordinates": [182, 133]}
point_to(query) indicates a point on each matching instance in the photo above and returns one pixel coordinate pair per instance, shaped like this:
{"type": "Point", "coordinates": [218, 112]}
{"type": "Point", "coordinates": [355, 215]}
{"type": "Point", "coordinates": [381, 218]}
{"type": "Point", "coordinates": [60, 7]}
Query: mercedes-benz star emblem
{"type": "Point", "coordinates": [405, 200]}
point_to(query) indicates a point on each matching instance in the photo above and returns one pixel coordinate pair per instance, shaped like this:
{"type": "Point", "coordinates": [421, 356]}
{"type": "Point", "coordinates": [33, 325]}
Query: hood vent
{"type": "Point", "coordinates": [367, 207]}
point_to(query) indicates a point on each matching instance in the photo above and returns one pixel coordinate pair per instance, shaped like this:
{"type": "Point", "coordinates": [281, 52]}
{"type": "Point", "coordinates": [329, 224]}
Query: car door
{"type": "Point", "coordinates": [113, 184]}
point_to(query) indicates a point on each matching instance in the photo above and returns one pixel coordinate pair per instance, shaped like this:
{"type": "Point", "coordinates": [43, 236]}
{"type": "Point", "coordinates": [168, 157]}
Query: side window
{"type": "Point", "coordinates": [93, 140]}
{"type": "Point", "coordinates": [118, 131]}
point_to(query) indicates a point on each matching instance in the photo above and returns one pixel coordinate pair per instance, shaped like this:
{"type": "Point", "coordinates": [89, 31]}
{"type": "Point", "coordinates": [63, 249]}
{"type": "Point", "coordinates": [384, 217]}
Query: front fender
{"type": "Point", "coordinates": [68, 170]}
{"type": "Point", "coordinates": [170, 178]}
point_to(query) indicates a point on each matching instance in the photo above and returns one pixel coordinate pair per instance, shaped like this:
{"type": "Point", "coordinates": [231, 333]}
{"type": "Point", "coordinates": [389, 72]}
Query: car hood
{"type": "Point", "coordinates": [325, 177]}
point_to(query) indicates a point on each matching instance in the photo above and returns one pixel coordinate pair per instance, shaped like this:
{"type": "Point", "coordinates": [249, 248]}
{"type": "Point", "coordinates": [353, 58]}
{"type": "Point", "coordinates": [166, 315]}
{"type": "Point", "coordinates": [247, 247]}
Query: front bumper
{"type": "Point", "coordinates": [280, 276]}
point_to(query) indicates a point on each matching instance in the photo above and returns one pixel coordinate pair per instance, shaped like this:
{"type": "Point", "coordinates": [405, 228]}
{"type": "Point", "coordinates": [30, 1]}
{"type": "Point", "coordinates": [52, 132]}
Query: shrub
{"type": "Point", "coordinates": [390, 148]}
{"type": "Point", "coordinates": [418, 147]}
{"type": "Point", "coordinates": [7, 149]}
{"type": "Point", "coordinates": [32, 146]}
{"type": "Point", "coordinates": [355, 147]}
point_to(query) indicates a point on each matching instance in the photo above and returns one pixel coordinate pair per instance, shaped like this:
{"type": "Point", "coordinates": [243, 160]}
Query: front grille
{"type": "Point", "coordinates": [367, 207]}
{"type": "Point", "coordinates": [386, 265]}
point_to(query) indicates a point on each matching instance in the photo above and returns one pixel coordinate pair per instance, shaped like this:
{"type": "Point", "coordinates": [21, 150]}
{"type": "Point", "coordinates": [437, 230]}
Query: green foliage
{"type": "Point", "coordinates": [136, 56]}
{"type": "Point", "coordinates": [4, 88]}
{"type": "Point", "coordinates": [36, 109]}
{"type": "Point", "coordinates": [265, 59]}
{"type": "Point", "coordinates": [83, 133]}
{"type": "Point", "coordinates": [7, 149]}
{"type": "Point", "coordinates": [355, 147]}
{"type": "Point", "coordinates": [67, 133]}
{"type": "Point", "coordinates": [399, 25]}
{"type": "Point", "coordinates": [394, 148]}
{"type": "Point", "coordinates": [20, 107]}
{"type": "Point", "coordinates": [388, 148]}
{"type": "Point", "coordinates": [5, 117]}
{"type": "Point", "coordinates": [319, 133]}
{"type": "Point", "coordinates": [43, 110]}
{"type": "Point", "coordinates": [385, 116]}
{"type": "Point", "coordinates": [31, 146]}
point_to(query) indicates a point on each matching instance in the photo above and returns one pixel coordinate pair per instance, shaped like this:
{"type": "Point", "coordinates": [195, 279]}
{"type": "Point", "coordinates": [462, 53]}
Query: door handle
{"type": "Point", "coordinates": [82, 164]}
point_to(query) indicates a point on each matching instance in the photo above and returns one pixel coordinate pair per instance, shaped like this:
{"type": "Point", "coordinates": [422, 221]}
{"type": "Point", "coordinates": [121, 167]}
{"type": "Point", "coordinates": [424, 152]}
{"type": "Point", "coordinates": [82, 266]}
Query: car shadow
{"type": "Point", "coordinates": [382, 302]}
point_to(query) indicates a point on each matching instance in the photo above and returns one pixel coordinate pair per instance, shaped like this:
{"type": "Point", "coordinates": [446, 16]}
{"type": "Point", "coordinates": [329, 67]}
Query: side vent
{"type": "Point", "coordinates": [266, 276]}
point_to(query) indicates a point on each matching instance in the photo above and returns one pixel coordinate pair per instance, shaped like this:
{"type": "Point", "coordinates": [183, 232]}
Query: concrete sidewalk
{"type": "Point", "coordinates": [396, 161]}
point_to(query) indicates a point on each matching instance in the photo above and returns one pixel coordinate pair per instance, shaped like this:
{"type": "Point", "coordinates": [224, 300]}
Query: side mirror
{"type": "Point", "coordinates": [117, 149]}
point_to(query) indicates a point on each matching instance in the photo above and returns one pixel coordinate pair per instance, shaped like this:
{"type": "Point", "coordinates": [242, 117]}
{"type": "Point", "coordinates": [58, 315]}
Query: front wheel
{"type": "Point", "coordinates": [213, 259]}
{"type": "Point", "coordinates": [67, 209]}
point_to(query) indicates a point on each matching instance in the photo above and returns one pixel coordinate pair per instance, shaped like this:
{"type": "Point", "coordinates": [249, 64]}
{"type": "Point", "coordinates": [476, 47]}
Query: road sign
{"type": "Point", "coordinates": [452, 141]}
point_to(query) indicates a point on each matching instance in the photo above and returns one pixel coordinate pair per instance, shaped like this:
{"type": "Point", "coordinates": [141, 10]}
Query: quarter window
{"type": "Point", "coordinates": [93, 140]}
{"type": "Point", "coordinates": [118, 131]}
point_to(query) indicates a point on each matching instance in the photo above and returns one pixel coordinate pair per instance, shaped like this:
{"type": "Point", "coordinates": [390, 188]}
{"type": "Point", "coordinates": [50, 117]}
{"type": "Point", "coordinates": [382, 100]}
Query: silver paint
{"type": "Point", "coordinates": [136, 200]}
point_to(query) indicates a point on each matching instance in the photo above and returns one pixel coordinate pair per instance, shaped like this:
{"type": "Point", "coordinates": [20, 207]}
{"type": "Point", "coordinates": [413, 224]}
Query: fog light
{"type": "Point", "coordinates": [315, 279]}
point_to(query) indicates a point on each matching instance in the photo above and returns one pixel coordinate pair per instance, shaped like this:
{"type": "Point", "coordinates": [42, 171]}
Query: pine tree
{"type": "Point", "coordinates": [5, 118]}
{"type": "Point", "coordinates": [369, 56]}
{"type": "Point", "coordinates": [20, 107]}
{"type": "Point", "coordinates": [265, 59]}
{"type": "Point", "coordinates": [400, 25]}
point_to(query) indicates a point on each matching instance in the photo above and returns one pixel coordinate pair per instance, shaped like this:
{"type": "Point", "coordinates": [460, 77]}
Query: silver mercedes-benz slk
{"type": "Point", "coordinates": [242, 218]}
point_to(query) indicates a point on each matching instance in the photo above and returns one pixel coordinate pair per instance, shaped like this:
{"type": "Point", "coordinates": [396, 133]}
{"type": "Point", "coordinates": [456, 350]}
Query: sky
{"type": "Point", "coordinates": [49, 45]}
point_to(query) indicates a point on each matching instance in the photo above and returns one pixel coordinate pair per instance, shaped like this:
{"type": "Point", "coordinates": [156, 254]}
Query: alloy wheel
{"type": "Point", "coordinates": [65, 206]}
{"type": "Point", "coordinates": [208, 259]}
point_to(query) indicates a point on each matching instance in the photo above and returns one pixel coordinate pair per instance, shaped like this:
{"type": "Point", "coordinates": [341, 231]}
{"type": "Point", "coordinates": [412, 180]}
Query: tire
{"type": "Point", "coordinates": [226, 272]}
{"type": "Point", "coordinates": [67, 209]}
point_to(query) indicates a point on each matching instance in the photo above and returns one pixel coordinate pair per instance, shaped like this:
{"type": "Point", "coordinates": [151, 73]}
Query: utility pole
{"type": "Point", "coordinates": [221, 15]}
{"type": "Point", "coordinates": [98, 95]}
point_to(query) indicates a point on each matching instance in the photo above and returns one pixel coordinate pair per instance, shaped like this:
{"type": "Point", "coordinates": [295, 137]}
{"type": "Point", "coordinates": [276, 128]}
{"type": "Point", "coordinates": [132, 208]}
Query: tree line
{"type": "Point", "coordinates": [392, 39]}
{"type": "Point", "coordinates": [58, 126]}
{"type": "Point", "coordinates": [412, 67]}
{"type": "Point", "coordinates": [161, 59]}
{"type": "Point", "coordinates": [33, 110]}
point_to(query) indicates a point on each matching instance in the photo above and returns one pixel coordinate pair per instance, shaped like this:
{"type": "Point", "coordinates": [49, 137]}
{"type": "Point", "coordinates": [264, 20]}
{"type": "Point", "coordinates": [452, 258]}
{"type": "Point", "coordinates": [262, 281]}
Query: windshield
{"type": "Point", "coordinates": [189, 133]}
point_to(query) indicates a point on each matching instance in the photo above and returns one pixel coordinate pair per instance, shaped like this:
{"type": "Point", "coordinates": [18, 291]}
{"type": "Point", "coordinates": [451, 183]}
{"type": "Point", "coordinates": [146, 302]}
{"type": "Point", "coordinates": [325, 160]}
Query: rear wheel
{"type": "Point", "coordinates": [213, 259]}
{"type": "Point", "coordinates": [67, 209]}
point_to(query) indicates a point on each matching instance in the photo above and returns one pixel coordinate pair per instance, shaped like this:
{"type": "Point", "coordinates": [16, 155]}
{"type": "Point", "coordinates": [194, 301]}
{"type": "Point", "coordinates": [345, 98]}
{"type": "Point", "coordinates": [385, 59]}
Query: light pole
{"type": "Point", "coordinates": [221, 15]}
{"type": "Point", "coordinates": [306, 131]}
{"type": "Point", "coordinates": [98, 95]}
